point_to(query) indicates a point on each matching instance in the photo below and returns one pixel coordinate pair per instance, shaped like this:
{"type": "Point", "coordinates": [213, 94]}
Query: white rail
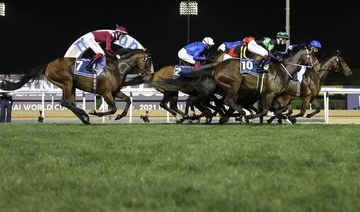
{"type": "Point", "coordinates": [326, 92]}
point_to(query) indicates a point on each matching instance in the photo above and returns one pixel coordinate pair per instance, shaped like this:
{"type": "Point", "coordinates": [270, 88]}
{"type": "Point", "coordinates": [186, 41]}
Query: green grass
{"type": "Point", "coordinates": [187, 167]}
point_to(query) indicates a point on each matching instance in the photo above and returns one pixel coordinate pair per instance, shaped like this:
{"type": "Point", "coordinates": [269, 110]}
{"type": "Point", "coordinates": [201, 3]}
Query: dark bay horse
{"type": "Point", "coordinates": [171, 96]}
{"type": "Point", "coordinates": [60, 72]}
{"type": "Point", "coordinates": [228, 76]}
{"type": "Point", "coordinates": [311, 85]}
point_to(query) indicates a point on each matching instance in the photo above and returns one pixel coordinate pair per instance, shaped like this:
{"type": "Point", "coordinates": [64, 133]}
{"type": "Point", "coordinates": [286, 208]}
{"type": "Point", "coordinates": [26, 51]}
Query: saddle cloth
{"type": "Point", "coordinates": [249, 66]}
{"type": "Point", "coordinates": [81, 63]}
{"type": "Point", "coordinates": [179, 69]}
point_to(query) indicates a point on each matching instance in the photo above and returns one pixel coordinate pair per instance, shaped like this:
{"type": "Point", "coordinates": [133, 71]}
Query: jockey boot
{"type": "Point", "coordinates": [263, 66]}
{"type": "Point", "coordinates": [196, 65]}
{"type": "Point", "coordinates": [93, 61]}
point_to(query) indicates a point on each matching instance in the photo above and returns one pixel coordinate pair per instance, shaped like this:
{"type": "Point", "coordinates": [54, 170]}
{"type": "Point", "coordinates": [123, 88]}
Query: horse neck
{"type": "Point", "coordinates": [280, 73]}
{"type": "Point", "coordinates": [294, 62]}
{"type": "Point", "coordinates": [218, 58]}
{"type": "Point", "coordinates": [325, 68]}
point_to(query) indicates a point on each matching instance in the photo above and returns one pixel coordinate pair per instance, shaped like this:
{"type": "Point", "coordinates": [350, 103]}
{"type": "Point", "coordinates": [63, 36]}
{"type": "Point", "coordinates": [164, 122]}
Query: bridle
{"type": "Point", "coordinates": [338, 63]}
{"type": "Point", "coordinates": [308, 58]}
{"type": "Point", "coordinates": [142, 72]}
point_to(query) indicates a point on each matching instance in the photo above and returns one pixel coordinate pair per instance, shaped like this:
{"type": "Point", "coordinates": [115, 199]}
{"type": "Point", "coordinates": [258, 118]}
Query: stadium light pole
{"type": "Point", "coordinates": [2, 9]}
{"type": "Point", "coordinates": [287, 9]}
{"type": "Point", "coordinates": [188, 8]}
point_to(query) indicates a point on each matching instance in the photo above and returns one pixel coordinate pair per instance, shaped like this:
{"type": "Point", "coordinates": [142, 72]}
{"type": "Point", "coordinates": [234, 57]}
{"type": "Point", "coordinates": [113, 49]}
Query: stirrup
{"type": "Point", "coordinates": [89, 68]}
{"type": "Point", "coordinates": [261, 71]}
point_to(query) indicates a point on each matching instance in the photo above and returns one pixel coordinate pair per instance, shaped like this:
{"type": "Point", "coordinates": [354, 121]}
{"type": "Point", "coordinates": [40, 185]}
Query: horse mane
{"type": "Point", "coordinates": [328, 55]}
{"type": "Point", "coordinates": [127, 52]}
{"type": "Point", "coordinates": [295, 49]}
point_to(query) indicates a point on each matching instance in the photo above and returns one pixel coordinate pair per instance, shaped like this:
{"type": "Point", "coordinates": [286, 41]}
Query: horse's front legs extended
{"type": "Point", "coordinates": [317, 107]}
{"type": "Point", "coordinates": [127, 99]}
{"type": "Point", "coordinates": [81, 114]}
{"type": "Point", "coordinates": [110, 100]}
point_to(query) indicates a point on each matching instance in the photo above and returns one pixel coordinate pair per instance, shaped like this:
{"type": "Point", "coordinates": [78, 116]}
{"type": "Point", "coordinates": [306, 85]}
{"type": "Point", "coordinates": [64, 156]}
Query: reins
{"type": "Point", "coordinates": [299, 65]}
{"type": "Point", "coordinates": [142, 72]}
{"type": "Point", "coordinates": [308, 58]}
{"type": "Point", "coordinates": [338, 62]}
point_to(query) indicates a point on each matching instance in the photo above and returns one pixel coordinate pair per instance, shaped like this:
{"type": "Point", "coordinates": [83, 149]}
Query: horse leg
{"type": "Point", "coordinates": [316, 104]}
{"type": "Point", "coordinates": [110, 100]}
{"type": "Point", "coordinates": [174, 107]}
{"type": "Point", "coordinates": [68, 101]}
{"type": "Point", "coordinates": [197, 102]}
{"type": "Point", "coordinates": [168, 97]}
{"type": "Point", "coordinates": [304, 105]}
{"type": "Point", "coordinates": [218, 106]}
{"type": "Point", "coordinates": [226, 116]}
{"type": "Point", "coordinates": [230, 101]}
{"type": "Point", "coordinates": [127, 99]}
{"type": "Point", "coordinates": [264, 105]}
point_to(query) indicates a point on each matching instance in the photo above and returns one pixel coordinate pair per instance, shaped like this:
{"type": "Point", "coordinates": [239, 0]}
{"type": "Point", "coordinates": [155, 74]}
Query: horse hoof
{"type": "Point", "coordinates": [249, 117]}
{"type": "Point", "coordinates": [208, 120]}
{"type": "Point", "coordinates": [86, 120]}
{"type": "Point", "coordinates": [222, 120]}
{"type": "Point", "coordinates": [118, 117]}
{"type": "Point", "coordinates": [93, 112]}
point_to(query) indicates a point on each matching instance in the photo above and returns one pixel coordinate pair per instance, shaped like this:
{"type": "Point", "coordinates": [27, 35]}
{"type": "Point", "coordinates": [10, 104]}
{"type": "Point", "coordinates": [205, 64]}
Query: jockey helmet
{"type": "Point", "coordinates": [208, 41]}
{"type": "Point", "coordinates": [121, 29]}
{"type": "Point", "coordinates": [284, 35]}
{"type": "Point", "coordinates": [248, 39]}
{"type": "Point", "coordinates": [315, 44]}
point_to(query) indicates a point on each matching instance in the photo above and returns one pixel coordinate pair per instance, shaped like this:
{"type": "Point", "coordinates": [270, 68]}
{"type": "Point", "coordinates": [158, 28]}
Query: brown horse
{"type": "Point", "coordinates": [171, 96]}
{"type": "Point", "coordinates": [229, 78]}
{"type": "Point", "coordinates": [311, 85]}
{"type": "Point", "coordinates": [60, 72]}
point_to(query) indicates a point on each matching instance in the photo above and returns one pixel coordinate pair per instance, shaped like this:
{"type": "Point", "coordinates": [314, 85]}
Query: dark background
{"type": "Point", "coordinates": [37, 32]}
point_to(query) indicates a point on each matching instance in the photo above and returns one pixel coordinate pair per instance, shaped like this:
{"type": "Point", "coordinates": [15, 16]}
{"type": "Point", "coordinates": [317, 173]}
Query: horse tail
{"type": "Point", "coordinates": [199, 74]}
{"type": "Point", "coordinates": [185, 79]}
{"type": "Point", "coordinates": [134, 81]}
{"type": "Point", "coordinates": [34, 75]}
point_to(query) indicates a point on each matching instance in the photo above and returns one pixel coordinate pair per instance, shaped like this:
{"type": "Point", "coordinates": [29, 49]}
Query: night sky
{"type": "Point", "coordinates": [37, 32]}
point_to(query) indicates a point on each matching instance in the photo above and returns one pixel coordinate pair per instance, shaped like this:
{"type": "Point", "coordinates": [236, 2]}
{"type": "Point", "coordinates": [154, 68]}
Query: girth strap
{"type": "Point", "coordinates": [94, 82]}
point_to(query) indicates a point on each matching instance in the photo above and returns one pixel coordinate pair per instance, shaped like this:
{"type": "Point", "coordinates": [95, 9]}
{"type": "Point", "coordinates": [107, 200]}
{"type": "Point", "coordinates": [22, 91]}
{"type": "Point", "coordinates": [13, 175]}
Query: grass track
{"type": "Point", "coordinates": [188, 167]}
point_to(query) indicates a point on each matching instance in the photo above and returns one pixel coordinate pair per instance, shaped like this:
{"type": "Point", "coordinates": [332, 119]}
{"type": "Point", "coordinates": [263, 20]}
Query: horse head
{"type": "Point", "coordinates": [336, 62]}
{"type": "Point", "coordinates": [138, 60]}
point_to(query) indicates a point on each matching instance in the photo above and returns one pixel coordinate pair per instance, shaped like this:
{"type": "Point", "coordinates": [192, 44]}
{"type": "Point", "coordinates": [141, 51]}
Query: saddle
{"type": "Point", "coordinates": [179, 69]}
{"type": "Point", "coordinates": [81, 63]}
{"type": "Point", "coordinates": [249, 66]}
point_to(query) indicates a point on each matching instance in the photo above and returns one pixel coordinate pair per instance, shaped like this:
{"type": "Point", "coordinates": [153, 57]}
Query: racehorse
{"type": "Point", "coordinates": [60, 72]}
{"type": "Point", "coordinates": [228, 79]}
{"type": "Point", "coordinates": [170, 96]}
{"type": "Point", "coordinates": [311, 85]}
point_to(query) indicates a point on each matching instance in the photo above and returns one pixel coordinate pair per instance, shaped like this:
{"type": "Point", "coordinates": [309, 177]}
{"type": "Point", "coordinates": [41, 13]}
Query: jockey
{"type": "Point", "coordinates": [239, 51]}
{"type": "Point", "coordinates": [265, 47]}
{"type": "Point", "coordinates": [193, 52]}
{"type": "Point", "coordinates": [95, 38]}
{"type": "Point", "coordinates": [226, 46]}
{"type": "Point", "coordinates": [314, 47]}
